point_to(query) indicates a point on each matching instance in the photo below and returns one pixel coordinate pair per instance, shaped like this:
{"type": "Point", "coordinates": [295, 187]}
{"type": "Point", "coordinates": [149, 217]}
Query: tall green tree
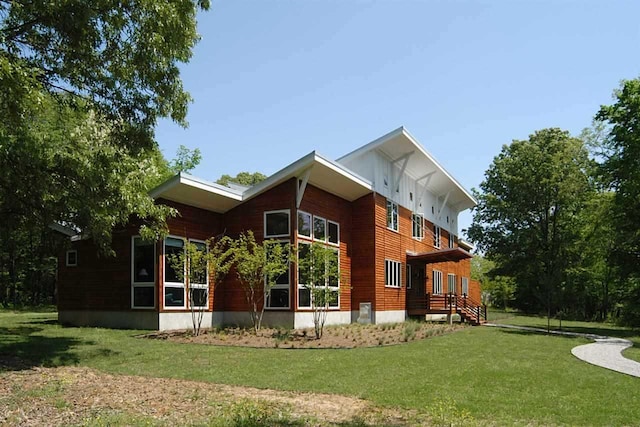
{"type": "Point", "coordinates": [621, 172]}
{"type": "Point", "coordinates": [525, 218]}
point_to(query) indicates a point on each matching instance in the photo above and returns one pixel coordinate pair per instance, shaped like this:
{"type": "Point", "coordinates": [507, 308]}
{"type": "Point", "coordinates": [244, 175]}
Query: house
{"type": "Point", "coordinates": [389, 210]}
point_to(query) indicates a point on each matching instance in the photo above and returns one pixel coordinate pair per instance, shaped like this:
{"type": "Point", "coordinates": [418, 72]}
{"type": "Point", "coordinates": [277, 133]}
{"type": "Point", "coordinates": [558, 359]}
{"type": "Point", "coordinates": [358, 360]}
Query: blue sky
{"type": "Point", "coordinates": [275, 80]}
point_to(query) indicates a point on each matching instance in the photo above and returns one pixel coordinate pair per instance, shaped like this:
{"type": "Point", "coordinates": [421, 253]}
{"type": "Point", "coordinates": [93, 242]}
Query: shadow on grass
{"type": "Point", "coordinates": [22, 347]}
{"type": "Point", "coordinates": [531, 332]}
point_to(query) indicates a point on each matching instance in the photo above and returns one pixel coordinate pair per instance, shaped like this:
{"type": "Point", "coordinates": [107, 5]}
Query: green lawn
{"type": "Point", "coordinates": [501, 377]}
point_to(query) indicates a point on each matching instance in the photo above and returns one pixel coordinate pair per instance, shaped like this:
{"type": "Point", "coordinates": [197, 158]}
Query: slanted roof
{"type": "Point", "coordinates": [192, 191]}
{"type": "Point", "coordinates": [322, 173]}
{"type": "Point", "coordinates": [442, 255]}
{"type": "Point", "coordinates": [421, 163]}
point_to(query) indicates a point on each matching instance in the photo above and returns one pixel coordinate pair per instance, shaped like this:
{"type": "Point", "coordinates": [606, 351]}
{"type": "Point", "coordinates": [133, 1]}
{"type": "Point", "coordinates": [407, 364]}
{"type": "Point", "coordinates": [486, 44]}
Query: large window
{"type": "Point", "coordinates": [436, 236]}
{"type": "Point", "coordinates": [276, 223]}
{"type": "Point", "coordinates": [142, 273]}
{"type": "Point", "coordinates": [465, 286]}
{"type": "Point", "coordinates": [199, 277]}
{"type": "Point", "coordinates": [392, 215]}
{"type": "Point", "coordinates": [278, 296]}
{"type": "Point", "coordinates": [437, 282]}
{"type": "Point", "coordinates": [305, 277]}
{"type": "Point", "coordinates": [392, 273]}
{"type": "Point", "coordinates": [174, 288]}
{"type": "Point", "coordinates": [417, 222]}
{"type": "Point", "coordinates": [451, 284]}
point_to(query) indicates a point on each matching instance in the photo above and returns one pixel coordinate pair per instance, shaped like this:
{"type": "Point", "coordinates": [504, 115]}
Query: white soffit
{"type": "Point", "coordinates": [398, 143]}
{"type": "Point", "coordinates": [192, 191]}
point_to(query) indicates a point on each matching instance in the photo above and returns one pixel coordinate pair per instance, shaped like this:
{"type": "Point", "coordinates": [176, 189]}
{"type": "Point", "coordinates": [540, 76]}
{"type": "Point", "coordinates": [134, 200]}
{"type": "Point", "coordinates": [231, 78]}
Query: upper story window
{"type": "Point", "coordinates": [317, 228]}
{"type": "Point", "coordinates": [436, 236]}
{"type": "Point", "coordinates": [276, 223]}
{"type": "Point", "coordinates": [417, 222]}
{"type": "Point", "coordinates": [392, 215]}
{"type": "Point", "coordinates": [452, 241]}
{"type": "Point", "coordinates": [71, 259]}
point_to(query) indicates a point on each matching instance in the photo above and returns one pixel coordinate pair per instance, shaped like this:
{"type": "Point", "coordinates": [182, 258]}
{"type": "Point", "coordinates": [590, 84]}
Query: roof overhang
{"type": "Point", "coordinates": [443, 255]}
{"type": "Point", "coordinates": [323, 173]}
{"type": "Point", "coordinates": [400, 144]}
{"type": "Point", "coordinates": [189, 190]}
{"type": "Point", "coordinates": [317, 170]}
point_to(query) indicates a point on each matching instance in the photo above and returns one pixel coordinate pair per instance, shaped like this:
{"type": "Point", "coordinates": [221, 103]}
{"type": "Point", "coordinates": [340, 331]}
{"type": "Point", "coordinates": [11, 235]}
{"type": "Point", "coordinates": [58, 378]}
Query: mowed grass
{"type": "Point", "coordinates": [501, 377]}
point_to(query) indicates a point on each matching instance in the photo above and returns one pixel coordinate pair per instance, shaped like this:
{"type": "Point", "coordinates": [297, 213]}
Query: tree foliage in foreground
{"type": "Point", "coordinates": [525, 220]}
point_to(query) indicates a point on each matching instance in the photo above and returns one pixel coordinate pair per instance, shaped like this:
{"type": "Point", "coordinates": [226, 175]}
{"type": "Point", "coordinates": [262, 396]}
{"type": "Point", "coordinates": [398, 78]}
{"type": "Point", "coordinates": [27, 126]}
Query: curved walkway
{"type": "Point", "coordinates": [605, 352]}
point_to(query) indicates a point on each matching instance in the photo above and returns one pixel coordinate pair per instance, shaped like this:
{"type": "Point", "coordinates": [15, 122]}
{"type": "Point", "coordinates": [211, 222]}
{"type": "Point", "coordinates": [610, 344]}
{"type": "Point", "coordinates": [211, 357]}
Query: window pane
{"type": "Point", "coordinates": [199, 297]}
{"type": "Point", "coordinates": [304, 297]}
{"type": "Point", "coordinates": [319, 228]}
{"type": "Point", "coordinates": [304, 274]}
{"type": "Point", "coordinates": [304, 224]}
{"type": "Point", "coordinates": [143, 262]}
{"type": "Point", "coordinates": [334, 300]}
{"type": "Point", "coordinates": [199, 271]}
{"type": "Point", "coordinates": [143, 296]}
{"type": "Point", "coordinates": [277, 224]}
{"type": "Point", "coordinates": [279, 298]}
{"type": "Point", "coordinates": [173, 247]}
{"type": "Point", "coordinates": [173, 297]}
{"type": "Point", "coordinates": [334, 236]}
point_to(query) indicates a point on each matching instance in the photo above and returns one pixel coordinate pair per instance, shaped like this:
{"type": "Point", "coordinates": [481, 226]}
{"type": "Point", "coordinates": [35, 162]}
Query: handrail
{"type": "Point", "coordinates": [461, 304]}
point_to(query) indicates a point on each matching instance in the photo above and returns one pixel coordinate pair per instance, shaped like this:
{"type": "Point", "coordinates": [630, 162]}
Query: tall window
{"type": "Point", "coordinates": [174, 287]}
{"type": "Point", "coordinates": [437, 282]}
{"type": "Point", "coordinates": [451, 284]}
{"type": "Point", "coordinates": [417, 222]}
{"type": "Point", "coordinates": [392, 273]}
{"type": "Point", "coordinates": [142, 273]}
{"type": "Point", "coordinates": [465, 286]}
{"type": "Point", "coordinates": [409, 278]}
{"type": "Point", "coordinates": [392, 215]}
{"type": "Point", "coordinates": [199, 278]}
{"type": "Point", "coordinates": [436, 236]}
{"type": "Point", "coordinates": [452, 241]}
{"type": "Point", "coordinates": [305, 277]}
{"type": "Point", "coordinates": [276, 223]}
{"type": "Point", "coordinates": [278, 296]}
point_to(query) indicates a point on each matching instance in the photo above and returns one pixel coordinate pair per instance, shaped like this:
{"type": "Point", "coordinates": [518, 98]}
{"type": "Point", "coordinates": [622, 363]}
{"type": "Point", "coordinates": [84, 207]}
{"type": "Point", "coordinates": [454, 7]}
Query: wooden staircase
{"type": "Point", "coordinates": [469, 310]}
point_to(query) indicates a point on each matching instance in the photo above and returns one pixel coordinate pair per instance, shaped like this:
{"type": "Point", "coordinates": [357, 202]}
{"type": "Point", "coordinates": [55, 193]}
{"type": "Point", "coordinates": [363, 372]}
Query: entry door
{"type": "Point", "coordinates": [418, 280]}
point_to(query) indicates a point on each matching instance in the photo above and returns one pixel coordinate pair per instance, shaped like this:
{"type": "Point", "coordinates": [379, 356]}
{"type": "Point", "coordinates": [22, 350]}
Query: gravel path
{"type": "Point", "coordinates": [605, 352]}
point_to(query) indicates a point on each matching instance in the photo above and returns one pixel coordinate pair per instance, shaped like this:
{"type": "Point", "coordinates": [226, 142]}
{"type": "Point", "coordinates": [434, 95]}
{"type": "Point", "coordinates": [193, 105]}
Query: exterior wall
{"type": "Point", "coordinates": [250, 216]}
{"type": "Point", "coordinates": [363, 239]}
{"type": "Point", "coordinates": [97, 282]}
{"type": "Point", "coordinates": [131, 319]}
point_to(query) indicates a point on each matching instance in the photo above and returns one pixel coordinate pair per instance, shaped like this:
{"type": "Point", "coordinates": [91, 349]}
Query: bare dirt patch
{"type": "Point", "coordinates": [347, 336]}
{"type": "Point", "coordinates": [83, 396]}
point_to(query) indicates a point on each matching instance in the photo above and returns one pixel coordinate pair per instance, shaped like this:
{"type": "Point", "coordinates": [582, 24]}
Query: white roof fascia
{"type": "Point", "coordinates": [300, 165]}
{"type": "Point", "coordinates": [373, 144]}
{"type": "Point", "coordinates": [192, 181]}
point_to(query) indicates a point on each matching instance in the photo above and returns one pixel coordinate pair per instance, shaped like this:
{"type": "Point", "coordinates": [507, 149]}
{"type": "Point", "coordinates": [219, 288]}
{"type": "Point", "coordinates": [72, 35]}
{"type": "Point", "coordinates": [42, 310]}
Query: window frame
{"type": "Point", "coordinates": [393, 222]}
{"type": "Point", "coordinates": [66, 258]}
{"type": "Point", "coordinates": [437, 236]}
{"type": "Point", "coordinates": [465, 286]}
{"type": "Point", "coordinates": [437, 284]}
{"type": "Point", "coordinates": [176, 285]}
{"type": "Point", "coordinates": [310, 236]}
{"type": "Point", "coordinates": [392, 274]}
{"type": "Point", "coordinates": [420, 224]}
{"type": "Point", "coordinates": [451, 279]}
{"type": "Point", "coordinates": [287, 286]}
{"type": "Point", "coordinates": [277, 211]}
{"type": "Point", "coordinates": [199, 285]}
{"type": "Point", "coordinates": [135, 284]}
